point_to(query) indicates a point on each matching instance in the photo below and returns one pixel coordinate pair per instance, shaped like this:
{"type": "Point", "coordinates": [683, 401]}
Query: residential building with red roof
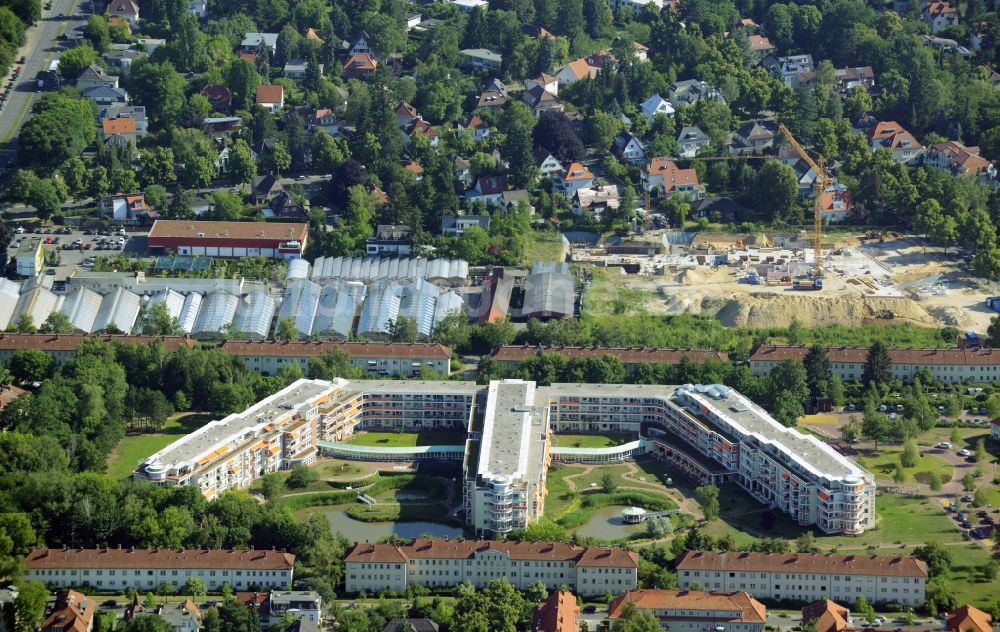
{"type": "Point", "coordinates": [437, 563]}
{"type": "Point", "coordinates": [968, 619]}
{"type": "Point", "coordinates": [573, 178]}
{"type": "Point", "coordinates": [956, 158]}
{"type": "Point", "coordinates": [476, 126]}
{"type": "Point", "coordinates": [827, 616]}
{"type": "Point", "coordinates": [558, 613]}
{"type": "Point", "coordinates": [939, 15]}
{"type": "Point", "coordinates": [695, 610]}
{"type": "Point", "coordinates": [663, 177]}
{"type": "Point", "coordinates": [420, 126]}
{"type": "Point", "coordinates": [389, 359]}
{"type": "Point", "coordinates": [271, 97]}
{"type": "Point", "coordinates": [511, 356]}
{"type": "Point", "coordinates": [119, 569]}
{"type": "Point", "coordinates": [359, 66]}
{"type": "Point", "coordinates": [950, 366]}
{"type": "Point", "coordinates": [128, 10]}
{"type": "Point", "coordinates": [892, 136]}
{"type": "Point", "coordinates": [575, 71]}
{"type": "Point", "coordinates": [836, 203]}
{"type": "Point", "coordinates": [119, 131]}
{"type": "Point", "coordinates": [843, 578]}
{"type": "Point", "coordinates": [73, 612]}
{"type": "Point", "coordinates": [219, 96]}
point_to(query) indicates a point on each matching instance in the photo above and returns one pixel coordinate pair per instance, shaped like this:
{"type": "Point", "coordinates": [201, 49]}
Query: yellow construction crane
{"type": "Point", "coordinates": [823, 179]}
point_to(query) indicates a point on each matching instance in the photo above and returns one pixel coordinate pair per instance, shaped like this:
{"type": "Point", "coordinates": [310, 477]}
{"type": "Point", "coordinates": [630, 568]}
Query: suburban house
{"type": "Point", "coordinates": [761, 45]}
{"type": "Point", "coordinates": [359, 66]}
{"type": "Point", "coordinates": [455, 225]}
{"type": "Point", "coordinates": [406, 114]}
{"type": "Point", "coordinates": [295, 69]}
{"type": "Point", "coordinates": [264, 186]}
{"type": "Point", "coordinates": [547, 83]}
{"type": "Point", "coordinates": [491, 100]}
{"type": "Point", "coordinates": [939, 16]}
{"type": "Point", "coordinates": [512, 198]}
{"type": "Point", "coordinates": [656, 105]}
{"type": "Point", "coordinates": [414, 167]}
{"type": "Point", "coordinates": [390, 239]}
{"type": "Point", "coordinates": [488, 189]}
{"type": "Point", "coordinates": [628, 149]}
{"type": "Point", "coordinates": [662, 176]}
{"type": "Point", "coordinates": [480, 60]}
{"type": "Point", "coordinates": [220, 97]}
{"type": "Point", "coordinates": [558, 613]}
{"type": "Point", "coordinates": [690, 140]}
{"type": "Point", "coordinates": [127, 10]}
{"type": "Point", "coordinates": [420, 126]}
{"type": "Point", "coordinates": [851, 78]}
{"type": "Point", "coordinates": [271, 97]}
{"type": "Point", "coordinates": [93, 76]}
{"type": "Point", "coordinates": [594, 200]}
{"type": "Point", "coordinates": [119, 132]}
{"type": "Point", "coordinates": [256, 42]}
{"type": "Point", "coordinates": [123, 207]}
{"type": "Point", "coordinates": [106, 95]}
{"type": "Point", "coordinates": [957, 159]}
{"type": "Point", "coordinates": [135, 112]}
{"type": "Point", "coordinates": [635, 7]}
{"type": "Point", "coordinates": [284, 205]}
{"type": "Point", "coordinates": [694, 610]}
{"type": "Point", "coordinates": [691, 91]}
{"type": "Point", "coordinates": [574, 71]}
{"type": "Point", "coordinates": [968, 619]}
{"type": "Point", "coordinates": [476, 126]}
{"type": "Point", "coordinates": [72, 612]}
{"type": "Point", "coordinates": [788, 69]}
{"type": "Point", "coordinates": [892, 136]}
{"type": "Point", "coordinates": [827, 616]}
{"type": "Point", "coordinates": [836, 203]}
{"type": "Point", "coordinates": [752, 138]}
{"type": "Point", "coordinates": [546, 162]}
{"type": "Point", "coordinates": [572, 178]}
{"type": "Point", "coordinates": [641, 51]}
{"type": "Point", "coordinates": [541, 100]}
{"type": "Point", "coordinates": [198, 8]}
{"type": "Point", "coordinates": [463, 171]}
{"type": "Point", "coordinates": [360, 45]}
{"type": "Point", "coordinates": [221, 126]}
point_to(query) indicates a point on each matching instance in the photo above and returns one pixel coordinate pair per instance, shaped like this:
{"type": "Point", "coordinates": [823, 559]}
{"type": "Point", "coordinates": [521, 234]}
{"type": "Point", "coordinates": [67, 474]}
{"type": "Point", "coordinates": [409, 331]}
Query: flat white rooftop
{"type": "Point", "coordinates": [514, 432]}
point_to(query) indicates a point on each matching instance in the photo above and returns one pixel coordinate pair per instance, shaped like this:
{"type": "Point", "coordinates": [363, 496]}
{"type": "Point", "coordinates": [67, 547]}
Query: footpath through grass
{"type": "Point", "coordinates": [136, 447]}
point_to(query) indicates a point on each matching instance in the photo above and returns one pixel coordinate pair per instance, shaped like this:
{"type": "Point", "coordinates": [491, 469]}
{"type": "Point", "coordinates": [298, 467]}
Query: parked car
{"type": "Point", "coordinates": [967, 498]}
{"type": "Point", "coordinates": [944, 445]}
{"type": "Point", "coordinates": [963, 452]}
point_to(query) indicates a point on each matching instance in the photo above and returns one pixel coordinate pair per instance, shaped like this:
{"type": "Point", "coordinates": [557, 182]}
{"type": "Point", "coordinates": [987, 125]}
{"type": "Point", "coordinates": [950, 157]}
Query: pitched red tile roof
{"type": "Point", "coordinates": [898, 566]}
{"type": "Point", "coordinates": [69, 342]}
{"type": "Point", "coordinates": [73, 612]}
{"type": "Point", "coordinates": [118, 126]}
{"type": "Point", "coordinates": [627, 355]}
{"type": "Point", "coordinates": [751, 610]}
{"type": "Point", "coordinates": [673, 176]}
{"type": "Point", "coordinates": [407, 350]}
{"type": "Point", "coordinates": [467, 549]}
{"type": "Point", "coordinates": [857, 355]}
{"type": "Point", "coordinates": [580, 68]}
{"type": "Point", "coordinates": [826, 615]}
{"type": "Point", "coordinates": [360, 62]}
{"type": "Point", "coordinates": [159, 558]}
{"type": "Point", "coordinates": [270, 93]}
{"type": "Point", "coordinates": [558, 613]}
{"type": "Point", "coordinates": [968, 618]}
{"type": "Point", "coordinates": [175, 228]}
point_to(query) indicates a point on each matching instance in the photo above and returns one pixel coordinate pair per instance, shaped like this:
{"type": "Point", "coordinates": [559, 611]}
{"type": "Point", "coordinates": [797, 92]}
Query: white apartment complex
{"type": "Point", "coordinates": [148, 569]}
{"type": "Point", "coordinates": [586, 570]}
{"type": "Point", "coordinates": [715, 434]}
{"type": "Point", "coordinates": [807, 576]}
{"type": "Point", "coordinates": [505, 472]}
{"type": "Point", "coordinates": [949, 366]}
{"type": "Point", "coordinates": [695, 610]}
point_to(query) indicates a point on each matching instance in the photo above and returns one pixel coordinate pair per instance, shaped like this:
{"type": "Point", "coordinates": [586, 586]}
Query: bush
{"type": "Point", "coordinates": [300, 477]}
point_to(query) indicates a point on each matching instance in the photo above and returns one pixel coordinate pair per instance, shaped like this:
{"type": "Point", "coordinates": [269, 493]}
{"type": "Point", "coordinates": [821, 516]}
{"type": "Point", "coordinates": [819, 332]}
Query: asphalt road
{"type": "Point", "coordinates": [41, 47]}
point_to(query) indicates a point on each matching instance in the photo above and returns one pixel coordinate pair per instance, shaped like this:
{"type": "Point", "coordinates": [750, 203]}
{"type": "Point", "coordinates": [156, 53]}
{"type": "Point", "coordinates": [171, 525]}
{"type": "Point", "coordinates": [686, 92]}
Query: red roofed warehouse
{"type": "Point", "coordinates": [587, 570]}
{"type": "Point", "coordinates": [228, 239]}
{"type": "Point", "coordinates": [147, 569]}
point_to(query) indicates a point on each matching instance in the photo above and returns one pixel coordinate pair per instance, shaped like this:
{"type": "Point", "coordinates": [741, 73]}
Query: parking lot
{"type": "Point", "coordinates": [76, 246]}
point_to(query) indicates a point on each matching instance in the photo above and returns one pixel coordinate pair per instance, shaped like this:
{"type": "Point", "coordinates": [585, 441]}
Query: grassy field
{"type": "Point", "coordinates": [409, 439]}
{"type": "Point", "coordinates": [543, 245]}
{"type": "Point", "coordinates": [136, 447]}
{"type": "Point", "coordinates": [590, 440]}
{"type": "Point", "coordinates": [884, 465]}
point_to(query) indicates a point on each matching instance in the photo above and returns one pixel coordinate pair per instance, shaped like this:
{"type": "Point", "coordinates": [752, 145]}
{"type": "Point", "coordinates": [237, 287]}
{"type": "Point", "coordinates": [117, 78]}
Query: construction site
{"type": "Point", "coordinates": [768, 280]}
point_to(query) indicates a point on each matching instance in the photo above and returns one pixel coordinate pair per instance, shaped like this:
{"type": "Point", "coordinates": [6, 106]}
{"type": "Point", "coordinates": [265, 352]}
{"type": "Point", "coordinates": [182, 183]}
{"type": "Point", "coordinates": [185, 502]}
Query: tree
{"type": "Point", "coordinates": [910, 455]}
{"type": "Point", "coordinates": [875, 426]}
{"type": "Point", "coordinates": [708, 498]}
{"type": "Point", "coordinates": [993, 333]}
{"type": "Point", "coordinates": [969, 482]}
{"type": "Point", "coordinates": [633, 619]}
{"type": "Point", "coordinates": [806, 543]}
{"type": "Point", "coordinates": [403, 329]}
{"type": "Point", "coordinates": [75, 60]}
{"type": "Point", "coordinates": [517, 124]}
{"type": "Point", "coordinates": [608, 482]}
{"type": "Point", "coordinates": [242, 79]}
{"type": "Point", "coordinates": [878, 365]}
{"type": "Point", "coordinates": [981, 455]}
{"type": "Point", "coordinates": [24, 613]}
{"type": "Point", "coordinates": [937, 558]}
{"type": "Point", "coordinates": [157, 321]}
{"type": "Point", "coordinates": [280, 157]}
{"type": "Point", "coordinates": [57, 323]}
{"type": "Point", "coordinates": [553, 132]}
{"type": "Point", "coordinates": [194, 587]}
{"type": "Point", "coordinates": [818, 373]}
{"type": "Point", "coordinates": [788, 409]}
{"type": "Point", "coordinates": [851, 430]}
{"type": "Point", "coordinates": [160, 88]}
{"type": "Point", "coordinates": [301, 476]}
{"type": "Point", "coordinates": [60, 129]}
{"type": "Point", "coordinates": [271, 486]}
{"type": "Point", "coordinates": [537, 592]}
{"type": "Point", "coordinates": [31, 365]}
{"type": "Point", "coordinates": [242, 163]}
{"type": "Point", "coordinates": [775, 192]}
{"type": "Point", "coordinates": [286, 330]}
{"type": "Point", "coordinates": [865, 609]}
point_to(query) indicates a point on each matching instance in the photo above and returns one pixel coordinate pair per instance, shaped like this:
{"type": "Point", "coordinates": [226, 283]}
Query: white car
{"type": "Point", "coordinates": [944, 445]}
{"type": "Point", "coordinates": [964, 452]}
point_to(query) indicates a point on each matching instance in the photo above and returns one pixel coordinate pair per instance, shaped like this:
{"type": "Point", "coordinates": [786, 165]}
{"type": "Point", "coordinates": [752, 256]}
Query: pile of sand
{"type": "Point", "coordinates": [955, 316]}
{"type": "Point", "coordinates": [761, 309]}
{"type": "Point", "coordinates": [701, 276]}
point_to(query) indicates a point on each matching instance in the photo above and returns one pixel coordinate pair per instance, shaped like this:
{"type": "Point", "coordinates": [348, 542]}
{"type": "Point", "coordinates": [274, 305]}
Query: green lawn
{"type": "Point", "coordinates": [409, 439]}
{"type": "Point", "coordinates": [590, 440]}
{"type": "Point", "coordinates": [884, 464]}
{"type": "Point", "coordinates": [136, 447]}
{"type": "Point", "coordinates": [558, 496]}
{"type": "Point", "coordinates": [543, 245]}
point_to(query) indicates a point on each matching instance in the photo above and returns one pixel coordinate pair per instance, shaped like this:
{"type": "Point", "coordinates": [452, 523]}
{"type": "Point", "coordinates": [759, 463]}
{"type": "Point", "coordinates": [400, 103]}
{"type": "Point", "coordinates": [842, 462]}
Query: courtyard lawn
{"type": "Point", "coordinates": [969, 437]}
{"type": "Point", "coordinates": [590, 440]}
{"type": "Point", "coordinates": [409, 439]}
{"type": "Point", "coordinates": [884, 464]}
{"type": "Point", "coordinates": [136, 447]}
{"type": "Point", "coordinates": [543, 245]}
